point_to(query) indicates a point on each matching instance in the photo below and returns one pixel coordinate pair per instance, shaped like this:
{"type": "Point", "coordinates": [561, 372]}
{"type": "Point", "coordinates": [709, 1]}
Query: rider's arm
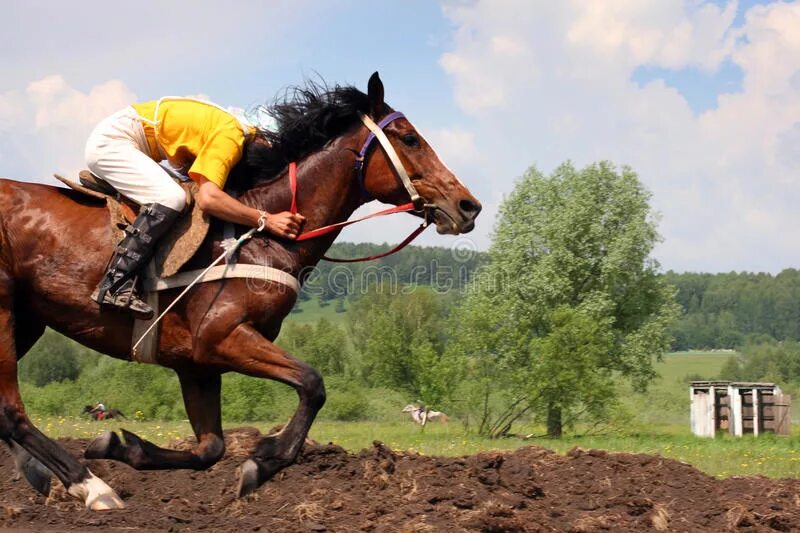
{"type": "Point", "coordinates": [216, 202]}
{"type": "Point", "coordinates": [221, 150]}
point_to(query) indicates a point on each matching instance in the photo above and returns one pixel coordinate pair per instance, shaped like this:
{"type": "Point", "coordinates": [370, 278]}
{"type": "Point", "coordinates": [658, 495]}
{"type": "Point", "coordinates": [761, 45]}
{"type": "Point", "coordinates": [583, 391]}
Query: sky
{"type": "Point", "coordinates": [700, 98]}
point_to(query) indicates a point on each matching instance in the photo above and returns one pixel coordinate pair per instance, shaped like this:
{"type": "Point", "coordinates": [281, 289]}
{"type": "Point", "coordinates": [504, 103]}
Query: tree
{"type": "Point", "coordinates": [322, 345]}
{"type": "Point", "coordinates": [569, 301]}
{"type": "Point", "coordinates": [401, 339]}
{"type": "Point", "coordinates": [726, 310]}
{"type": "Point", "coordinates": [54, 358]}
{"type": "Point", "coordinates": [771, 361]}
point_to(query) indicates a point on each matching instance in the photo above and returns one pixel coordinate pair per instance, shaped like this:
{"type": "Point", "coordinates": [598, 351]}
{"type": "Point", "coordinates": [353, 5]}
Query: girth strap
{"type": "Point", "coordinates": [238, 270]}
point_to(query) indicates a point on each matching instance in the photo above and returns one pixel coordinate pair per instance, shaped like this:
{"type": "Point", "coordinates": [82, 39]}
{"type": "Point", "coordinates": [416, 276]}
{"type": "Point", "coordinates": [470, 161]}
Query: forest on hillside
{"type": "Point", "coordinates": [719, 311]}
{"type": "Point", "coordinates": [732, 309]}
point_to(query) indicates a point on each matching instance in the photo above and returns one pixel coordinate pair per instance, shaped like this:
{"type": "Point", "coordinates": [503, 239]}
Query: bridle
{"type": "Point", "coordinates": [376, 132]}
{"type": "Point", "coordinates": [416, 205]}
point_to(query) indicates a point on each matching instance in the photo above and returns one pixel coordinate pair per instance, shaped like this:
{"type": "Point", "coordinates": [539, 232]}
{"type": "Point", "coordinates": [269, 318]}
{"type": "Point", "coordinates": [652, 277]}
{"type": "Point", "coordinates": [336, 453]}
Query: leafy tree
{"type": "Point", "coordinates": [401, 339]}
{"type": "Point", "coordinates": [323, 345]}
{"type": "Point", "coordinates": [772, 361]}
{"type": "Point", "coordinates": [441, 267]}
{"type": "Point", "coordinates": [726, 310]}
{"type": "Point", "coordinates": [569, 301]}
{"type": "Point", "coordinates": [54, 358]}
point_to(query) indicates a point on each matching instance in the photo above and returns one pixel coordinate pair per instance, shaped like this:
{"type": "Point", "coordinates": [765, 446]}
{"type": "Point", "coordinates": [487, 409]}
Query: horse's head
{"type": "Point", "coordinates": [446, 200]}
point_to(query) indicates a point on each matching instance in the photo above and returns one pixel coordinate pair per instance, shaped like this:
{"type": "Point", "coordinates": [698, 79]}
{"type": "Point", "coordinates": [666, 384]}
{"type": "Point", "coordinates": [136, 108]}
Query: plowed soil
{"type": "Point", "coordinates": [329, 489]}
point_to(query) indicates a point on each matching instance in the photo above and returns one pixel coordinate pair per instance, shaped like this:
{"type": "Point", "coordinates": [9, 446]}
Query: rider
{"type": "Point", "coordinates": [199, 139]}
{"type": "Point", "coordinates": [100, 409]}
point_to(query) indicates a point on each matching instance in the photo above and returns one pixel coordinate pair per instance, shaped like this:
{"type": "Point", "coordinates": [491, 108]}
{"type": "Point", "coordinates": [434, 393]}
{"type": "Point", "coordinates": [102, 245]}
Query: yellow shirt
{"type": "Point", "coordinates": [198, 138]}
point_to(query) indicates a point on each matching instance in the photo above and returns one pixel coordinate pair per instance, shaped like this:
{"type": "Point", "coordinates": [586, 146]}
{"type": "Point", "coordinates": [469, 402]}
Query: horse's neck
{"type": "Point", "coordinates": [327, 193]}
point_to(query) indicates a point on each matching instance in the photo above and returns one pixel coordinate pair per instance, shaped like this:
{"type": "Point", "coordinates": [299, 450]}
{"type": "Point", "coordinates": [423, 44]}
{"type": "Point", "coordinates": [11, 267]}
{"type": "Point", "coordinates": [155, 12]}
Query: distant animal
{"type": "Point", "coordinates": [421, 414]}
{"type": "Point", "coordinates": [102, 414]}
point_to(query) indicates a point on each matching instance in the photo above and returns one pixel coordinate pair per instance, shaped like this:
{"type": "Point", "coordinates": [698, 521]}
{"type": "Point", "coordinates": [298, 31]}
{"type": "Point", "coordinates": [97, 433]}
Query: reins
{"type": "Point", "coordinates": [415, 205]}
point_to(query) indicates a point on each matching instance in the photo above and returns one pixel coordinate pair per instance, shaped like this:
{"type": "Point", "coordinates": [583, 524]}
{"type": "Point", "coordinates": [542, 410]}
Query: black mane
{"type": "Point", "coordinates": [307, 117]}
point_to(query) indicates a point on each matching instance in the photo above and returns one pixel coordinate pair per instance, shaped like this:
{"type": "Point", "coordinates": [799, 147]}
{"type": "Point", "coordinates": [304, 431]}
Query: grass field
{"type": "Point", "coordinates": [677, 365]}
{"type": "Point", "coordinates": [660, 425]}
{"type": "Point", "coordinates": [667, 400]}
{"type": "Point", "coordinates": [723, 457]}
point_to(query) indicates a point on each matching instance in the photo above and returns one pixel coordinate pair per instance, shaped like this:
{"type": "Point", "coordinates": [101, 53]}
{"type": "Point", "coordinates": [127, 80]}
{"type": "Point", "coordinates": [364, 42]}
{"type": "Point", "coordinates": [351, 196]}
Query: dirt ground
{"type": "Point", "coordinates": [329, 489]}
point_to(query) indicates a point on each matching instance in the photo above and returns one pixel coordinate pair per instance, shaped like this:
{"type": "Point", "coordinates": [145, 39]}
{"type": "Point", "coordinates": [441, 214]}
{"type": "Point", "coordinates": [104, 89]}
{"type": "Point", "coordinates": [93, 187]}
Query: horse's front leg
{"type": "Point", "coordinates": [201, 397]}
{"type": "Point", "coordinates": [248, 352]}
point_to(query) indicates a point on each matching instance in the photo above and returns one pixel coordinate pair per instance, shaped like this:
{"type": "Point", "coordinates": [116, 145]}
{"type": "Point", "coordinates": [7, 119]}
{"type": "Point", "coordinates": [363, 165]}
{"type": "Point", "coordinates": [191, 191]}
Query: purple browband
{"type": "Point", "coordinates": [388, 119]}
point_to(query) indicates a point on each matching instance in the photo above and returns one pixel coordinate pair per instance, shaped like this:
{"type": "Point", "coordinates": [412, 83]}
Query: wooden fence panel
{"type": "Point", "coordinates": [782, 415]}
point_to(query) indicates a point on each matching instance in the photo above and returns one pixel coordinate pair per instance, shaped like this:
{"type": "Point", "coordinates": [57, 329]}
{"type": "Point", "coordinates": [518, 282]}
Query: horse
{"type": "Point", "coordinates": [107, 414]}
{"type": "Point", "coordinates": [54, 244]}
{"type": "Point", "coordinates": [422, 415]}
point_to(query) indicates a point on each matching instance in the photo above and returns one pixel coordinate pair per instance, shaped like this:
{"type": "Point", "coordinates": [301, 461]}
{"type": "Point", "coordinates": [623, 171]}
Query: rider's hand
{"type": "Point", "coordinates": [285, 224]}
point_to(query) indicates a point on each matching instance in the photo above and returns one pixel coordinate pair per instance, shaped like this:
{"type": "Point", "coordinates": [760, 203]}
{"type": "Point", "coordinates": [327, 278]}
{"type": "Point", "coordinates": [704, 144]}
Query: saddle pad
{"type": "Point", "coordinates": [177, 246]}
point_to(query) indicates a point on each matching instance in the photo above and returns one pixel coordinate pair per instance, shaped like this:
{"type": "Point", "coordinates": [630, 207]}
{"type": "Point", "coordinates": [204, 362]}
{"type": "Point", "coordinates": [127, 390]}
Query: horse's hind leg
{"type": "Point", "coordinates": [15, 424]}
{"type": "Point", "coordinates": [35, 473]}
{"type": "Point", "coordinates": [201, 396]}
{"type": "Point", "coordinates": [247, 352]}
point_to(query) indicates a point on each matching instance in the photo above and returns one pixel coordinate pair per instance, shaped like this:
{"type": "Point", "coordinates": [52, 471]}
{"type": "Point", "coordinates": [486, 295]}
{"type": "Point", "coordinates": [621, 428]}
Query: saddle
{"type": "Point", "coordinates": [175, 249]}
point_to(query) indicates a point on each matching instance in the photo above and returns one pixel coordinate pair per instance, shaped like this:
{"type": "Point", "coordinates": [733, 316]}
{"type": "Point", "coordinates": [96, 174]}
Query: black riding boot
{"type": "Point", "coordinates": [119, 284]}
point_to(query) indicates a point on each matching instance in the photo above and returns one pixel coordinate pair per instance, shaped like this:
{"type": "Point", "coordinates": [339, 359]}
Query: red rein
{"type": "Point", "coordinates": [314, 233]}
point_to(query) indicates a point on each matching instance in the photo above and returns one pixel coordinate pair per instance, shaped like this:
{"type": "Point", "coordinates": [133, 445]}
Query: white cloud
{"type": "Point", "coordinates": [44, 127]}
{"type": "Point", "coordinates": [558, 86]}
{"type": "Point", "coordinates": [455, 146]}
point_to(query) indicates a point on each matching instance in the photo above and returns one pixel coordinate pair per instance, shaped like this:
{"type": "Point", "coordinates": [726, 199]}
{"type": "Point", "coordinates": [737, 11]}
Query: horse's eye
{"type": "Point", "coordinates": [409, 139]}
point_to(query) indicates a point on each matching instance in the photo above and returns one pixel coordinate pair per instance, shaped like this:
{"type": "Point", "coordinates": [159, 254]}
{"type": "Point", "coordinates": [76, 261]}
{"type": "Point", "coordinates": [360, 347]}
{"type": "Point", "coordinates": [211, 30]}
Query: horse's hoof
{"type": "Point", "coordinates": [106, 502]}
{"type": "Point", "coordinates": [100, 448]}
{"type": "Point", "coordinates": [96, 494]}
{"type": "Point", "coordinates": [249, 479]}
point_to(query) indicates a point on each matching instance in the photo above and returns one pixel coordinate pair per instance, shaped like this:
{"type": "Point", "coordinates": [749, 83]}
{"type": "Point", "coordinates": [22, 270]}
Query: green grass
{"type": "Point", "coordinates": [677, 365]}
{"type": "Point", "coordinates": [766, 455]}
{"type": "Point", "coordinates": [660, 426]}
{"type": "Point", "coordinates": [311, 312]}
{"type": "Point", "coordinates": [666, 401]}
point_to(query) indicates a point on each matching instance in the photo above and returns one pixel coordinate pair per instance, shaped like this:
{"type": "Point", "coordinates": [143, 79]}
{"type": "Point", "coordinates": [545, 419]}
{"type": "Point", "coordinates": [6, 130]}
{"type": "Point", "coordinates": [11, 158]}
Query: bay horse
{"type": "Point", "coordinates": [54, 244]}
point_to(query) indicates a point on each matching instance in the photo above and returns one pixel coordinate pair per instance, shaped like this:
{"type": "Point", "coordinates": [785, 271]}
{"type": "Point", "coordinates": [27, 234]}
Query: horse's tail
{"type": "Point", "coordinates": [120, 413]}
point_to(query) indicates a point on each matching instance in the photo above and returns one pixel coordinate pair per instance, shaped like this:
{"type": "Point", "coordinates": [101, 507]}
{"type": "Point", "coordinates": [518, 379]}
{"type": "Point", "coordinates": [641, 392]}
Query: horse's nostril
{"type": "Point", "coordinates": [469, 208]}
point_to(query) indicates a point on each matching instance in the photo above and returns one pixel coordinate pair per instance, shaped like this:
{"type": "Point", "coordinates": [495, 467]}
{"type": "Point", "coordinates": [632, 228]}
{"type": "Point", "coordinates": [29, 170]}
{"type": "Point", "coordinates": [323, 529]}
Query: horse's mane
{"type": "Point", "coordinates": [307, 118]}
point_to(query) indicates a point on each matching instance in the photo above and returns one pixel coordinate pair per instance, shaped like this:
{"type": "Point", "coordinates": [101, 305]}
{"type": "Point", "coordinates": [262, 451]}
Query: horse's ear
{"type": "Point", "coordinates": [375, 94]}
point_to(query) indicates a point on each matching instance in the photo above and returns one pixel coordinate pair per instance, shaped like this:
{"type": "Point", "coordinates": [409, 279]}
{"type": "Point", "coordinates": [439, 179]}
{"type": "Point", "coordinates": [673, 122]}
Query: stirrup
{"type": "Point", "coordinates": [125, 299]}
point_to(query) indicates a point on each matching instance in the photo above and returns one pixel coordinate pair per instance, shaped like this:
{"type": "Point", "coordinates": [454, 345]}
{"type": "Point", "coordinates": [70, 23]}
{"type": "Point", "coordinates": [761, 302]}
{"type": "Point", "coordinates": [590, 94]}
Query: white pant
{"type": "Point", "coordinates": [117, 152]}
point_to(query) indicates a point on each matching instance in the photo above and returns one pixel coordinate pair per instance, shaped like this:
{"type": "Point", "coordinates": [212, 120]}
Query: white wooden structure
{"type": "Point", "coordinates": [738, 408]}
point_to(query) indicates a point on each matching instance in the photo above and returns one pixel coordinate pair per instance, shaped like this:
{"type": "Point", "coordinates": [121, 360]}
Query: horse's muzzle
{"type": "Point", "coordinates": [454, 220]}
